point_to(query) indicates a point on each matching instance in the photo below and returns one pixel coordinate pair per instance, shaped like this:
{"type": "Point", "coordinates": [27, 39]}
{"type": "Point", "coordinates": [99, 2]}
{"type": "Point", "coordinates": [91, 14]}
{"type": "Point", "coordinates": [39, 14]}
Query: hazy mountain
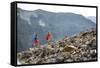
{"type": "Point", "coordinates": [40, 21]}
{"type": "Point", "coordinates": [92, 18]}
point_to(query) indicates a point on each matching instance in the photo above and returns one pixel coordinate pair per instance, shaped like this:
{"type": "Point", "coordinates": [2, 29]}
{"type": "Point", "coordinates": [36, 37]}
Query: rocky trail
{"type": "Point", "coordinates": [79, 47]}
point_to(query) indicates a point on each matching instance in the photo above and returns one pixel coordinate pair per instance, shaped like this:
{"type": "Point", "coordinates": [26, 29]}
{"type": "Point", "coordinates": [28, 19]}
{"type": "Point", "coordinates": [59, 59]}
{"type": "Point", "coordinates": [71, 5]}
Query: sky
{"type": "Point", "coordinates": [85, 11]}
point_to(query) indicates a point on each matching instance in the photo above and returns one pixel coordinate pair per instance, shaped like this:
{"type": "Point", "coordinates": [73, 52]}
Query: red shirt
{"type": "Point", "coordinates": [48, 36]}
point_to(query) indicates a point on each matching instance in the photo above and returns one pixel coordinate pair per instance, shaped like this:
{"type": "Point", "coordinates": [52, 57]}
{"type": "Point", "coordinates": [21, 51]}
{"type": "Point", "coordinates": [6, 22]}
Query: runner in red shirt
{"type": "Point", "coordinates": [48, 37]}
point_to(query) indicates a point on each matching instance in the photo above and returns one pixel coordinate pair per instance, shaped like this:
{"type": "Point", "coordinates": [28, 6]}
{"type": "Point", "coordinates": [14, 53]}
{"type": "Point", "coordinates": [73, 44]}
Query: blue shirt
{"type": "Point", "coordinates": [34, 37]}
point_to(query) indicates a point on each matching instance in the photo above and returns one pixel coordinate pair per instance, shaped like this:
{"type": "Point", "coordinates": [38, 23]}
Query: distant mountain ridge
{"type": "Point", "coordinates": [92, 18]}
{"type": "Point", "coordinates": [41, 21]}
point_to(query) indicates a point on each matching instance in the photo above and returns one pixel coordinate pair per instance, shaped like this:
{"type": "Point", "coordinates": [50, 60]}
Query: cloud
{"type": "Point", "coordinates": [41, 23]}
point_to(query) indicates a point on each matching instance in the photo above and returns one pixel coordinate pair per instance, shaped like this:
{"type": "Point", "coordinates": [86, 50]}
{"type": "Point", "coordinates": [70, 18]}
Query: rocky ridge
{"type": "Point", "coordinates": [79, 47]}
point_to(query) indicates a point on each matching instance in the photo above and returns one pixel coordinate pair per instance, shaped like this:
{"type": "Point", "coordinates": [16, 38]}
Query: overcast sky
{"type": "Point", "coordinates": [85, 11]}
